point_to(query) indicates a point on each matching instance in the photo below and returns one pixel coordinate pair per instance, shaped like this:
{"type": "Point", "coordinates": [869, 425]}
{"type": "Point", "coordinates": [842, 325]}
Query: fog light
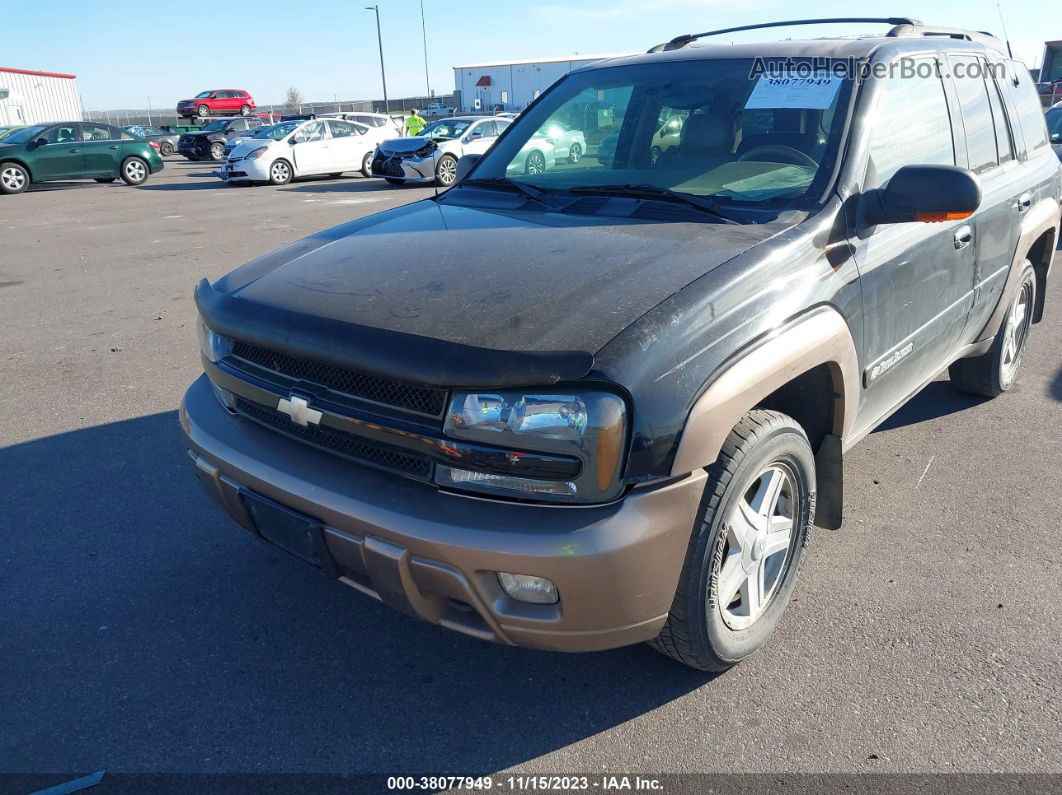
{"type": "Point", "coordinates": [527, 588]}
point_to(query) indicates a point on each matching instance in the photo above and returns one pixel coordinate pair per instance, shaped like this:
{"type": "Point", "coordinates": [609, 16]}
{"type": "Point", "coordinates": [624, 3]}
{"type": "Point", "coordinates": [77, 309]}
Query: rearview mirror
{"type": "Point", "coordinates": [928, 194]}
{"type": "Point", "coordinates": [465, 164]}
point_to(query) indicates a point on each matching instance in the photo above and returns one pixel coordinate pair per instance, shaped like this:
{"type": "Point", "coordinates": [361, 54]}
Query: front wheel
{"type": "Point", "coordinates": [575, 154]}
{"type": "Point", "coordinates": [446, 171]}
{"type": "Point", "coordinates": [993, 373]}
{"type": "Point", "coordinates": [245, 110]}
{"type": "Point", "coordinates": [748, 542]}
{"type": "Point", "coordinates": [535, 163]}
{"type": "Point", "coordinates": [134, 171]}
{"type": "Point", "coordinates": [280, 173]}
{"type": "Point", "coordinates": [14, 178]}
{"type": "Point", "coordinates": [202, 111]}
{"type": "Point", "coordinates": [217, 151]}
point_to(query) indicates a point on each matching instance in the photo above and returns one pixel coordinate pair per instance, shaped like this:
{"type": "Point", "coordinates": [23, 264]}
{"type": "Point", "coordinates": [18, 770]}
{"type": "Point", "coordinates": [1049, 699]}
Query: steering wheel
{"type": "Point", "coordinates": [788, 154]}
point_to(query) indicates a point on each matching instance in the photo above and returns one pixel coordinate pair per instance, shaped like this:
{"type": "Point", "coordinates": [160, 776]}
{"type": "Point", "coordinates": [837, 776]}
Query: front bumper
{"type": "Point", "coordinates": [406, 167]}
{"type": "Point", "coordinates": [435, 555]}
{"type": "Point", "coordinates": [250, 170]}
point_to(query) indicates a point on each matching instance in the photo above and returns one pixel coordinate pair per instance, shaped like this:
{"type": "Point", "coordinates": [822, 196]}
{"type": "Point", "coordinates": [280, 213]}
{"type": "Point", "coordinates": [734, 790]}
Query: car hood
{"type": "Point", "coordinates": [248, 145]}
{"type": "Point", "coordinates": [514, 280]}
{"type": "Point", "coordinates": [401, 146]}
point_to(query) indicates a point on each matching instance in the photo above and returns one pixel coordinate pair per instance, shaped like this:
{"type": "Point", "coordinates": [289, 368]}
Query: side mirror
{"type": "Point", "coordinates": [293, 140]}
{"type": "Point", "coordinates": [928, 194]}
{"type": "Point", "coordinates": [41, 142]}
{"type": "Point", "coordinates": [465, 164]}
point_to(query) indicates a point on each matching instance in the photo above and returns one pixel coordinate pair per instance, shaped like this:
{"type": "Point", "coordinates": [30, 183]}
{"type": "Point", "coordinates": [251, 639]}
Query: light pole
{"type": "Point", "coordinates": [383, 73]}
{"type": "Point", "coordinates": [424, 33]}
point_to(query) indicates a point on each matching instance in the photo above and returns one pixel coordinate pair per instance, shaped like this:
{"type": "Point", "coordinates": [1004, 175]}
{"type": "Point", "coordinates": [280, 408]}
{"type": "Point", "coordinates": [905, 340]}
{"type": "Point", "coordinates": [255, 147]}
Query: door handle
{"type": "Point", "coordinates": [75, 150]}
{"type": "Point", "coordinates": [1024, 202]}
{"type": "Point", "coordinates": [963, 237]}
{"type": "Point", "coordinates": [113, 147]}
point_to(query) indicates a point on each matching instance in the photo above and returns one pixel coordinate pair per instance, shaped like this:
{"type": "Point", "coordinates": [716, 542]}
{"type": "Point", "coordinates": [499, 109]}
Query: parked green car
{"type": "Point", "coordinates": [74, 150]}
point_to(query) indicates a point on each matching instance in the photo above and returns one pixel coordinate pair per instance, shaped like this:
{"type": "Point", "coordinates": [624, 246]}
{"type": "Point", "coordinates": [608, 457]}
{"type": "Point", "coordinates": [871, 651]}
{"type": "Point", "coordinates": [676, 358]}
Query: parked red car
{"type": "Point", "coordinates": [217, 102]}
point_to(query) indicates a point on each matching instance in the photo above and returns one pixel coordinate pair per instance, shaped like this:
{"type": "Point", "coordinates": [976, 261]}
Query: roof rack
{"type": "Point", "coordinates": [902, 27]}
{"type": "Point", "coordinates": [681, 41]}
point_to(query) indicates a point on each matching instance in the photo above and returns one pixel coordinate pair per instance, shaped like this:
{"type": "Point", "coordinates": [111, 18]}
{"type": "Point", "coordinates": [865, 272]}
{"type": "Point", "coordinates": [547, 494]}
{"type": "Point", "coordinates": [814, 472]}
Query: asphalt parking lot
{"type": "Point", "coordinates": [142, 631]}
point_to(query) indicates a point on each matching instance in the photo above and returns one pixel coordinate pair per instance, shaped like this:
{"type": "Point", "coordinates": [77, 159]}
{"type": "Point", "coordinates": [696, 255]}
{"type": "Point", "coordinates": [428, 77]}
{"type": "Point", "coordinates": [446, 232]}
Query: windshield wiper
{"type": "Point", "coordinates": [656, 192]}
{"type": "Point", "coordinates": [533, 193]}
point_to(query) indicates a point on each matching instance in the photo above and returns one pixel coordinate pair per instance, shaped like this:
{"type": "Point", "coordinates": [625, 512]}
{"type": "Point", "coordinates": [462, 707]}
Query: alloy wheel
{"type": "Point", "coordinates": [14, 179]}
{"type": "Point", "coordinates": [536, 163]}
{"type": "Point", "coordinates": [447, 171]}
{"type": "Point", "coordinates": [1015, 333]}
{"type": "Point", "coordinates": [217, 151]}
{"type": "Point", "coordinates": [280, 172]}
{"type": "Point", "coordinates": [575, 154]}
{"type": "Point", "coordinates": [135, 171]}
{"type": "Point", "coordinates": [755, 552]}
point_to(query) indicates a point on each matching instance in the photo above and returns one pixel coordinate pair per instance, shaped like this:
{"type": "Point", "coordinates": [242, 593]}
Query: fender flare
{"type": "Point", "coordinates": [1044, 216]}
{"type": "Point", "coordinates": [22, 163]}
{"type": "Point", "coordinates": [819, 337]}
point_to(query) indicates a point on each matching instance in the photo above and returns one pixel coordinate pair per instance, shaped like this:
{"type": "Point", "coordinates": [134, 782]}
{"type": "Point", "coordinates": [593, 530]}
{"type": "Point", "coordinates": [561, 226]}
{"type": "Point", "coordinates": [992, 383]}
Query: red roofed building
{"type": "Point", "coordinates": [28, 96]}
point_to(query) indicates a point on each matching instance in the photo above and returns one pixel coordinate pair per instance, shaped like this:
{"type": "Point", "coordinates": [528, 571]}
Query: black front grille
{"type": "Point", "coordinates": [338, 442]}
{"type": "Point", "coordinates": [388, 168]}
{"type": "Point", "coordinates": [420, 399]}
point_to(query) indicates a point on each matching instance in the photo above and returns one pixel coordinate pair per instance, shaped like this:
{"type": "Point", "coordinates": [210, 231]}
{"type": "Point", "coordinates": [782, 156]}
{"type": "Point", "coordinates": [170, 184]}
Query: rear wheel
{"type": "Point", "coordinates": [202, 111]}
{"type": "Point", "coordinates": [165, 148]}
{"type": "Point", "coordinates": [134, 171]}
{"type": "Point", "coordinates": [245, 110]}
{"type": "Point", "coordinates": [280, 172]}
{"type": "Point", "coordinates": [217, 151]}
{"type": "Point", "coordinates": [14, 178]}
{"type": "Point", "coordinates": [654, 155]}
{"type": "Point", "coordinates": [575, 154]}
{"type": "Point", "coordinates": [995, 372]}
{"type": "Point", "coordinates": [366, 165]}
{"type": "Point", "coordinates": [744, 556]}
{"type": "Point", "coordinates": [446, 171]}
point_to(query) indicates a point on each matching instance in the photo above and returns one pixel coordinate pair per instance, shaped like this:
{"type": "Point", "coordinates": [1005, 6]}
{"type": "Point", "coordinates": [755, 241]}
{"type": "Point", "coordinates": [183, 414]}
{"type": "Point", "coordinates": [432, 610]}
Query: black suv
{"type": "Point", "coordinates": [209, 142]}
{"type": "Point", "coordinates": [604, 402]}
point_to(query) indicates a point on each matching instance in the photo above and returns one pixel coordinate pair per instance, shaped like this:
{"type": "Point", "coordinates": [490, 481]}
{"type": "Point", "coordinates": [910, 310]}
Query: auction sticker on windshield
{"type": "Point", "coordinates": [815, 93]}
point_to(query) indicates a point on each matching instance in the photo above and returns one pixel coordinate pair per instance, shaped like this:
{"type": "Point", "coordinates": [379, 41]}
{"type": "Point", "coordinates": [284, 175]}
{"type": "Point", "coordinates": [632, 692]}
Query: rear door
{"type": "Point", "coordinates": [100, 149]}
{"type": "Point", "coordinates": [479, 139]}
{"type": "Point", "coordinates": [228, 103]}
{"type": "Point", "coordinates": [917, 278]}
{"type": "Point", "coordinates": [311, 150]}
{"type": "Point", "coordinates": [61, 157]}
{"type": "Point", "coordinates": [989, 155]}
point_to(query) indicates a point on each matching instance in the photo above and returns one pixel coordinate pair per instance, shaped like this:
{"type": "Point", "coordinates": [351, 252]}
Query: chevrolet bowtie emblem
{"type": "Point", "coordinates": [299, 410]}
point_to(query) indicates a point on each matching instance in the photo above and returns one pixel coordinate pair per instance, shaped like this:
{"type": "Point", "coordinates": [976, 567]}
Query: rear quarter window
{"type": "Point", "coordinates": [1029, 111]}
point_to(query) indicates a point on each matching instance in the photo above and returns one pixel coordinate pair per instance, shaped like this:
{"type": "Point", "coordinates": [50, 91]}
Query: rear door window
{"type": "Point", "coordinates": [912, 125]}
{"type": "Point", "coordinates": [968, 73]}
{"type": "Point", "coordinates": [96, 132]}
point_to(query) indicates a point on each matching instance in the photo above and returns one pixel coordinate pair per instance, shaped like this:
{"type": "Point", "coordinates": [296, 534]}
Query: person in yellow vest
{"type": "Point", "coordinates": [414, 123]}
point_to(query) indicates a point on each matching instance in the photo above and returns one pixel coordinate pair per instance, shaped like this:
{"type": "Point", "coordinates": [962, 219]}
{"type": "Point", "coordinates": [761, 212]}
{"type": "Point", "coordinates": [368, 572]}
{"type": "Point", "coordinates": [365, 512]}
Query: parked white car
{"type": "Point", "coordinates": [257, 132]}
{"type": "Point", "coordinates": [384, 126]}
{"type": "Point", "coordinates": [300, 149]}
{"type": "Point", "coordinates": [568, 144]}
{"type": "Point", "coordinates": [433, 155]}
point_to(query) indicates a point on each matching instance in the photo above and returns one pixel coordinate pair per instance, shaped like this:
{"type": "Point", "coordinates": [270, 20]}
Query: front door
{"type": "Point", "coordinates": [311, 149]}
{"type": "Point", "coordinates": [917, 278]}
{"type": "Point", "coordinates": [61, 157]}
{"type": "Point", "coordinates": [100, 149]}
{"type": "Point", "coordinates": [479, 139]}
{"type": "Point", "coordinates": [349, 145]}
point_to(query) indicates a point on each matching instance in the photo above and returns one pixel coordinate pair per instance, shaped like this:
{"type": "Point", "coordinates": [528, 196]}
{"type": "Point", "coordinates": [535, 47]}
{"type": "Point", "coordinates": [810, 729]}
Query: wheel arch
{"type": "Point", "coordinates": [807, 369]}
{"type": "Point", "coordinates": [21, 162]}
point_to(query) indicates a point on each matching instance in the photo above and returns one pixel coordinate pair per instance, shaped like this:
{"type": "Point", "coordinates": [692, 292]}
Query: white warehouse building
{"type": "Point", "coordinates": [513, 85]}
{"type": "Point", "coordinates": [31, 97]}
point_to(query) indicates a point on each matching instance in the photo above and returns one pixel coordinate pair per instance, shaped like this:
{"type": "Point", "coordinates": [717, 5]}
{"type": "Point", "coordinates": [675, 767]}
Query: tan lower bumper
{"type": "Point", "coordinates": [435, 555]}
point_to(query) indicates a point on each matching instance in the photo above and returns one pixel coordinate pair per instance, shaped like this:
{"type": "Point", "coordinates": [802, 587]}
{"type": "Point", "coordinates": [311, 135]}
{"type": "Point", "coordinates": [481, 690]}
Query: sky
{"type": "Point", "coordinates": [126, 53]}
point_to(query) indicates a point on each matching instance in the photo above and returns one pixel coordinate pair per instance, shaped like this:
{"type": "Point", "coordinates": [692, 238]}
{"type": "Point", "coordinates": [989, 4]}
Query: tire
{"type": "Point", "coordinates": [766, 448]}
{"type": "Point", "coordinates": [105, 180]}
{"type": "Point", "coordinates": [245, 110]}
{"type": "Point", "coordinates": [14, 178]}
{"type": "Point", "coordinates": [393, 181]}
{"type": "Point", "coordinates": [217, 151]}
{"type": "Point", "coordinates": [535, 163]}
{"type": "Point", "coordinates": [366, 165]}
{"type": "Point", "coordinates": [202, 111]}
{"type": "Point", "coordinates": [995, 372]}
{"type": "Point", "coordinates": [134, 171]}
{"type": "Point", "coordinates": [575, 154]}
{"type": "Point", "coordinates": [446, 171]}
{"type": "Point", "coordinates": [280, 173]}
{"type": "Point", "coordinates": [165, 148]}
{"type": "Point", "coordinates": [654, 155]}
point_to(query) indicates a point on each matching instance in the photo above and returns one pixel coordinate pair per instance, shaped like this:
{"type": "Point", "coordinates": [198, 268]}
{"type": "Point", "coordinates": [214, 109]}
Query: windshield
{"type": "Point", "coordinates": [203, 94]}
{"type": "Point", "coordinates": [25, 134]}
{"type": "Point", "coordinates": [277, 131]}
{"type": "Point", "coordinates": [700, 127]}
{"type": "Point", "coordinates": [1054, 124]}
{"type": "Point", "coordinates": [445, 129]}
{"type": "Point", "coordinates": [216, 126]}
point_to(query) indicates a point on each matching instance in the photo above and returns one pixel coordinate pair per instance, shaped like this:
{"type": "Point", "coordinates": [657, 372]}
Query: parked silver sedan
{"type": "Point", "coordinates": [568, 144]}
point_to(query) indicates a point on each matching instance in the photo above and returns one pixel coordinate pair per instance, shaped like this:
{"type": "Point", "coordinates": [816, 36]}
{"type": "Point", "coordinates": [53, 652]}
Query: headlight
{"type": "Point", "coordinates": [589, 426]}
{"type": "Point", "coordinates": [257, 153]}
{"type": "Point", "coordinates": [427, 149]}
{"type": "Point", "coordinates": [212, 345]}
